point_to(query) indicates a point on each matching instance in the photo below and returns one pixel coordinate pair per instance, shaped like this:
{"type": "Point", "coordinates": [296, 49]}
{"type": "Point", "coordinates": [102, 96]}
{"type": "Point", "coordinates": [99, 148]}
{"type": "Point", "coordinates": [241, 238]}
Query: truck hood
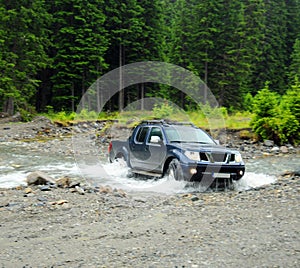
{"type": "Point", "coordinates": [200, 147]}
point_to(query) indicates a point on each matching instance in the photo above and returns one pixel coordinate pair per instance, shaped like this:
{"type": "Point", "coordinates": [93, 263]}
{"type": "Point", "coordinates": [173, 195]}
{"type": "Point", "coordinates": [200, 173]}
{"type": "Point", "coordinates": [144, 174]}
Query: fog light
{"type": "Point", "coordinates": [241, 172]}
{"type": "Point", "coordinates": [193, 171]}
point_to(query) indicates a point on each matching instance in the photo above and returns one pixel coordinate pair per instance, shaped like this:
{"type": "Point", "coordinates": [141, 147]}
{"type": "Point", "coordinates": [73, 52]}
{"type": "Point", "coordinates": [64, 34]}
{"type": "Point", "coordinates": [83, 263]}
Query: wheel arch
{"type": "Point", "coordinates": [123, 152]}
{"type": "Point", "coordinates": [167, 163]}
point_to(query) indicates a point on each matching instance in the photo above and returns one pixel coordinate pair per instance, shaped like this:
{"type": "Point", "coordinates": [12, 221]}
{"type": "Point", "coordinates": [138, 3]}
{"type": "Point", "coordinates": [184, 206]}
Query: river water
{"type": "Point", "coordinates": [17, 161]}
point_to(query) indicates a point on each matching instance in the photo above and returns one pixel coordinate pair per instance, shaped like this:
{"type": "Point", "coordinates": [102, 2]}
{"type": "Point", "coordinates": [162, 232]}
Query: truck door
{"type": "Point", "coordinates": [156, 148]}
{"type": "Point", "coordinates": [137, 145]}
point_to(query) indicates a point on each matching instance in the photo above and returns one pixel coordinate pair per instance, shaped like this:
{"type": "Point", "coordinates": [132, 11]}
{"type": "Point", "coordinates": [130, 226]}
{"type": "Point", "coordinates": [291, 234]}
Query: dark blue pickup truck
{"type": "Point", "coordinates": [178, 150]}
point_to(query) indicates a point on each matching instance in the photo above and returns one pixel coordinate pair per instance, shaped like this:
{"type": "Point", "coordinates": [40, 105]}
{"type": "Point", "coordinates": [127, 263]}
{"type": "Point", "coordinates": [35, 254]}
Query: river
{"type": "Point", "coordinates": [17, 161]}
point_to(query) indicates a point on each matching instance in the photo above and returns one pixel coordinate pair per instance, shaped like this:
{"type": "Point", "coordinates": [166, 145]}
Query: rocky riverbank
{"type": "Point", "coordinates": [62, 227]}
{"type": "Point", "coordinates": [68, 223]}
{"type": "Point", "coordinates": [42, 134]}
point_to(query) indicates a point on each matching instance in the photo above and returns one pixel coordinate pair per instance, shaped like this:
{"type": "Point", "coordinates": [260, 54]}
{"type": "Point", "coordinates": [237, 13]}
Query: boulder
{"type": "Point", "coordinates": [284, 149]}
{"type": "Point", "coordinates": [275, 149]}
{"type": "Point", "coordinates": [63, 182]}
{"type": "Point", "coordinates": [39, 178]}
{"type": "Point", "coordinates": [269, 143]}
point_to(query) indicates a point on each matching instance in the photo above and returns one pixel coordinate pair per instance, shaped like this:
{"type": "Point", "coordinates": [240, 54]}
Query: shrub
{"type": "Point", "coordinates": [248, 102]}
{"type": "Point", "coordinates": [162, 111]}
{"type": "Point", "coordinates": [277, 119]}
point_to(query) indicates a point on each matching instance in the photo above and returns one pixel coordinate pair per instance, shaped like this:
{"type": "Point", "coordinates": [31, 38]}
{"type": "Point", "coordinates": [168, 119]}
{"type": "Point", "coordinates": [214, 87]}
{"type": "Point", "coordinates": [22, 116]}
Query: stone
{"type": "Point", "coordinates": [63, 182]}
{"type": "Point", "coordinates": [42, 199]}
{"type": "Point", "coordinates": [74, 182]}
{"type": "Point", "coordinates": [284, 149]}
{"type": "Point", "coordinates": [59, 202]}
{"type": "Point", "coordinates": [105, 189]}
{"type": "Point", "coordinates": [194, 198]}
{"type": "Point", "coordinates": [28, 190]}
{"type": "Point", "coordinates": [39, 178]}
{"type": "Point", "coordinates": [45, 188]}
{"type": "Point", "coordinates": [269, 143]}
{"type": "Point", "coordinates": [79, 190]}
{"type": "Point", "coordinates": [275, 149]}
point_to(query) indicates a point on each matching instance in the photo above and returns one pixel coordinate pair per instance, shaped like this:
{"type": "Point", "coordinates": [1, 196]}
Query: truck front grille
{"type": "Point", "coordinates": [218, 157]}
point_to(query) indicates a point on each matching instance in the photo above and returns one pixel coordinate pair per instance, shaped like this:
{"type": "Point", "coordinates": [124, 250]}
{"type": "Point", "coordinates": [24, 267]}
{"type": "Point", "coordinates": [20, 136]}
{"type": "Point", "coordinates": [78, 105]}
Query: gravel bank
{"type": "Point", "coordinates": [62, 228]}
{"type": "Point", "coordinates": [65, 227]}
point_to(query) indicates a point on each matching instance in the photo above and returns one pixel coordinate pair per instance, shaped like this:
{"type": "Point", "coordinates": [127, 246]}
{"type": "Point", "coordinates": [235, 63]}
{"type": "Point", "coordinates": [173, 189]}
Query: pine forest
{"type": "Point", "coordinates": [52, 51]}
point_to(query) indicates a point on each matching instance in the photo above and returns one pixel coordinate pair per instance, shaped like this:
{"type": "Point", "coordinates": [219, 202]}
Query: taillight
{"type": "Point", "coordinates": [109, 147]}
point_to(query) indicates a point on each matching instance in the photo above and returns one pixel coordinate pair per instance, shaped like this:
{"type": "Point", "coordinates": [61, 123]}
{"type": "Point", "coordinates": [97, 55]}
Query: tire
{"type": "Point", "coordinates": [120, 158]}
{"type": "Point", "coordinates": [175, 171]}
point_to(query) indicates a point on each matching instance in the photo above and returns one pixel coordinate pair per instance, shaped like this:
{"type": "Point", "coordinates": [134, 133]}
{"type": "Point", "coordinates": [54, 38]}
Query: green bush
{"type": "Point", "coordinates": [275, 118]}
{"type": "Point", "coordinates": [86, 115]}
{"type": "Point", "coordinates": [162, 111]}
{"type": "Point", "coordinates": [248, 102]}
{"type": "Point", "coordinates": [26, 116]}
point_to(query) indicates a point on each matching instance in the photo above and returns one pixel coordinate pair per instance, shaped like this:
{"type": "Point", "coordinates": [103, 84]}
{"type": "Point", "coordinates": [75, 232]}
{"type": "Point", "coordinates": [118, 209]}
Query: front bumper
{"type": "Point", "coordinates": [199, 172]}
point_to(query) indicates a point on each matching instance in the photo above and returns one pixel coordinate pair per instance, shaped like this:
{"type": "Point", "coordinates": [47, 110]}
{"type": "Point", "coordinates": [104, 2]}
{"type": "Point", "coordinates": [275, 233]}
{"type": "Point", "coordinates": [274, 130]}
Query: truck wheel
{"type": "Point", "coordinates": [121, 160]}
{"type": "Point", "coordinates": [174, 170]}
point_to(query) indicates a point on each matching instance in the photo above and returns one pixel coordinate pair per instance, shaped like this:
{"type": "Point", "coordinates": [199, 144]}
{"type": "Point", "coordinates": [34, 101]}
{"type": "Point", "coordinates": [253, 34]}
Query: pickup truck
{"type": "Point", "coordinates": [179, 150]}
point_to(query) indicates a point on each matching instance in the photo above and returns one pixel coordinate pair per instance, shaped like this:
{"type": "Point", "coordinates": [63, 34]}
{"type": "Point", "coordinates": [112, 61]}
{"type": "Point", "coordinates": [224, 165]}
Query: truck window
{"type": "Point", "coordinates": [155, 131]}
{"type": "Point", "coordinates": [141, 135]}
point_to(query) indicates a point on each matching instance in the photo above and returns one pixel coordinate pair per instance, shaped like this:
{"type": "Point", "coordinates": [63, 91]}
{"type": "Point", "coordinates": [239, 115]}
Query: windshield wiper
{"type": "Point", "coordinates": [201, 142]}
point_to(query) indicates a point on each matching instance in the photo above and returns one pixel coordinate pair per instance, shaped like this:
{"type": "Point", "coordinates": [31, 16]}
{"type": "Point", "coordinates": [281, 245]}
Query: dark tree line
{"type": "Point", "coordinates": [52, 51]}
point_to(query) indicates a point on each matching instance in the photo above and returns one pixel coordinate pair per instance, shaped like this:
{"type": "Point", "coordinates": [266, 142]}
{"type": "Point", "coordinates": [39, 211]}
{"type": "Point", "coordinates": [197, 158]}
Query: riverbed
{"type": "Point", "coordinates": [154, 223]}
{"type": "Point", "coordinates": [18, 159]}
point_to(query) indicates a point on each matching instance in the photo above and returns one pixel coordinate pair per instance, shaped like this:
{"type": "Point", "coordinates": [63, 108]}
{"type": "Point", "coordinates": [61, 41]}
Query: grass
{"type": "Point", "coordinates": [208, 119]}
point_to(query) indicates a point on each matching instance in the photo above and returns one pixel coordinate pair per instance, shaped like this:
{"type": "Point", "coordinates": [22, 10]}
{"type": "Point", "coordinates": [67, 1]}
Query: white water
{"type": "Point", "coordinates": [16, 163]}
{"type": "Point", "coordinates": [116, 176]}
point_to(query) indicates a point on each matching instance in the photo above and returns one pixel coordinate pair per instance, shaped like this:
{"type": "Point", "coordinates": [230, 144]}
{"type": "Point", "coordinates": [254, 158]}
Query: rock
{"type": "Point", "coordinates": [39, 178]}
{"type": "Point", "coordinates": [3, 115]}
{"type": "Point", "coordinates": [63, 182]}
{"type": "Point", "coordinates": [284, 149]}
{"type": "Point", "coordinates": [74, 182]}
{"type": "Point", "coordinates": [140, 199]}
{"type": "Point", "coordinates": [28, 190]}
{"type": "Point", "coordinates": [119, 193]}
{"type": "Point", "coordinates": [275, 149]}
{"type": "Point", "coordinates": [79, 190]}
{"type": "Point", "coordinates": [42, 199]}
{"type": "Point", "coordinates": [194, 198]}
{"type": "Point", "coordinates": [45, 188]}
{"type": "Point", "coordinates": [76, 129]}
{"type": "Point", "coordinates": [59, 202]}
{"type": "Point", "coordinates": [269, 143]}
{"type": "Point", "coordinates": [105, 189]}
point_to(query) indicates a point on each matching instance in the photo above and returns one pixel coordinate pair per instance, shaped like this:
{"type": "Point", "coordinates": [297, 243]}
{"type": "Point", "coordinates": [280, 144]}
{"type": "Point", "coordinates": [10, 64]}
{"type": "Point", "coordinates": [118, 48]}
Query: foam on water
{"type": "Point", "coordinates": [12, 179]}
{"type": "Point", "coordinates": [116, 175]}
{"type": "Point", "coordinates": [254, 180]}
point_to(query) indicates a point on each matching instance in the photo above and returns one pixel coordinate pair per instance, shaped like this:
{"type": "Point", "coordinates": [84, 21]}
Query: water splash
{"type": "Point", "coordinates": [254, 180]}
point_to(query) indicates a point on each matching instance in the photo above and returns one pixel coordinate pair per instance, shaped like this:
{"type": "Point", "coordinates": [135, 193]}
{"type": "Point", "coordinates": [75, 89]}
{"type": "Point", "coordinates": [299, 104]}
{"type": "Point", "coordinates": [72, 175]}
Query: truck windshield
{"type": "Point", "coordinates": [187, 134]}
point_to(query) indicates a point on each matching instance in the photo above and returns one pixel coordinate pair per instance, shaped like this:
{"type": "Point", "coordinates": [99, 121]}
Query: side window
{"type": "Point", "coordinates": [155, 131]}
{"type": "Point", "coordinates": [141, 135]}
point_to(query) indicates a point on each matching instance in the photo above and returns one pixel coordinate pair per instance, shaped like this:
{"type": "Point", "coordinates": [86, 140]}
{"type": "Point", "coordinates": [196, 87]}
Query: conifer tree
{"type": "Point", "coordinates": [23, 41]}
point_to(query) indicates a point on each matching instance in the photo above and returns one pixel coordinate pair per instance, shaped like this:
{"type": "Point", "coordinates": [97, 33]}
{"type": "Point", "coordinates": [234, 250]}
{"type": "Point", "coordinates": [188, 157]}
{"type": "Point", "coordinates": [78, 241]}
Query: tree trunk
{"type": "Point", "coordinates": [142, 96]}
{"type": "Point", "coordinates": [205, 82]}
{"type": "Point", "coordinates": [8, 106]}
{"type": "Point", "coordinates": [121, 90]}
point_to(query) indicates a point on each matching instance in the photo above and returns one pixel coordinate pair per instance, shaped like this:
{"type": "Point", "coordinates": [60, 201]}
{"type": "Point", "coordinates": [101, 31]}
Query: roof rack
{"type": "Point", "coordinates": [149, 122]}
{"type": "Point", "coordinates": [167, 122]}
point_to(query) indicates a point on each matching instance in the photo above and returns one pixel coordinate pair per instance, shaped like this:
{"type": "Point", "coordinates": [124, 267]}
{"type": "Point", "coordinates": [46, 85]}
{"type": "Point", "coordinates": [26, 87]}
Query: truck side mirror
{"type": "Point", "coordinates": [155, 139]}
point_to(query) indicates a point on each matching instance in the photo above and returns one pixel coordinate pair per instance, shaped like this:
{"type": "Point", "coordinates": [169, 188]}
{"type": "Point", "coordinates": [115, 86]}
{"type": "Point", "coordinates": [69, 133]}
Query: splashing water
{"type": "Point", "coordinates": [16, 163]}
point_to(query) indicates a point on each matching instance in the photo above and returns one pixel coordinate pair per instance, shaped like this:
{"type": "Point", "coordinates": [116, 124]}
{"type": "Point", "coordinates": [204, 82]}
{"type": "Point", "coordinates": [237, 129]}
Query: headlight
{"type": "Point", "coordinates": [192, 155]}
{"type": "Point", "coordinates": [238, 158]}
